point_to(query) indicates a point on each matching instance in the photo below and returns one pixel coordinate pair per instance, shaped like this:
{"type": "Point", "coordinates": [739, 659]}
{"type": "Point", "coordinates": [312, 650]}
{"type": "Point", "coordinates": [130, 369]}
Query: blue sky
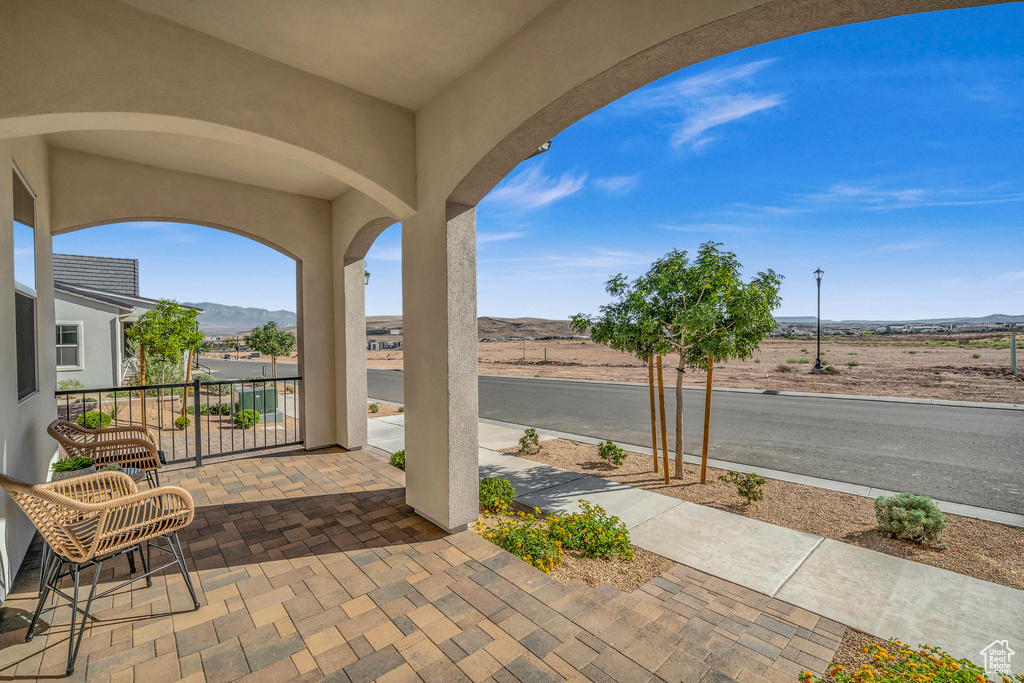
{"type": "Point", "coordinates": [887, 153]}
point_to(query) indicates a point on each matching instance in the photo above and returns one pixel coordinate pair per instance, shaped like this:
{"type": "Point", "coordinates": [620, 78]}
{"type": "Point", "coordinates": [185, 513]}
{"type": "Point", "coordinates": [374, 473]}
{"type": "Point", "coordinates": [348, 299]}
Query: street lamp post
{"type": "Point", "coordinates": [818, 367]}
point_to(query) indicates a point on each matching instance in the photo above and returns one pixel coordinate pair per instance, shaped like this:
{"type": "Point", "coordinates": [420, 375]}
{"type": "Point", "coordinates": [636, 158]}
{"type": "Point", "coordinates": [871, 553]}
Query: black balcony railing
{"type": "Point", "coordinates": [220, 418]}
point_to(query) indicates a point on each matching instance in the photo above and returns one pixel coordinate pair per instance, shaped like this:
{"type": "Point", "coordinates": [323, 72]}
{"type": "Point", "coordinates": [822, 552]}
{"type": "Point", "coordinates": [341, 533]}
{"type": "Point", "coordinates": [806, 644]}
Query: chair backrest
{"type": "Point", "coordinates": [61, 521]}
{"type": "Point", "coordinates": [69, 435]}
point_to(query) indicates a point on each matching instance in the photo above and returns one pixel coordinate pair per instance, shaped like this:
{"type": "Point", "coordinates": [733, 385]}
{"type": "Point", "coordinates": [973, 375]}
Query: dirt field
{"type": "Point", "coordinates": [909, 366]}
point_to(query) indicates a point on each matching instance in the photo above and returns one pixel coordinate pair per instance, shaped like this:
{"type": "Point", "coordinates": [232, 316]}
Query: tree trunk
{"type": "Point", "coordinates": [654, 419]}
{"type": "Point", "coordinates": [679, 419]}
{"type": "Point", "coordinates": [142, 380]}
{"type": "Point", "coordinates": [273, 366]}
{"type": "Point", "coordinates": [188, 378]}
{"type": "Point", "coordinates": [664, 429]}
{"type": "Point", "coordinates": [707, 423]}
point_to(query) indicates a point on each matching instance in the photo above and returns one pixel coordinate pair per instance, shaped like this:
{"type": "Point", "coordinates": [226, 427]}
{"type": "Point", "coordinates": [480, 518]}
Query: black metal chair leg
{"type": "Point", "coordinates": [74, 643]}
{"type": "Point", "coordinates": [53, 570]}
{"type": "Point", "coordinates": [44, 563]}
{"type": "Point", "coordinates": [144, 556]}
{"type": "Point", "coordinates": [179, 555]}
{"type": "Point", "coordinates": [131, 561]}
{"type": "Point", "coordinates": [74, 613]}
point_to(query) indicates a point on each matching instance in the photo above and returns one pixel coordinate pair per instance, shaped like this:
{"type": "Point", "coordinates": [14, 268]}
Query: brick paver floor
{"type": "Point", "coordinates": [311, 566]}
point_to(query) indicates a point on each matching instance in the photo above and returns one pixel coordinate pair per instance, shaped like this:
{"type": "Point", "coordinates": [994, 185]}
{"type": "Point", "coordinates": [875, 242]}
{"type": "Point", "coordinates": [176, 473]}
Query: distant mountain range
{"type": "Point", "coordinates": [994, 318]}
{"type": "Point", "coordinates": [218, 319]}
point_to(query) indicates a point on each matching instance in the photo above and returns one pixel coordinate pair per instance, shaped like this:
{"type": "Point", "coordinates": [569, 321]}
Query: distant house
{"type": "Point", "coordinates": [96, 299]}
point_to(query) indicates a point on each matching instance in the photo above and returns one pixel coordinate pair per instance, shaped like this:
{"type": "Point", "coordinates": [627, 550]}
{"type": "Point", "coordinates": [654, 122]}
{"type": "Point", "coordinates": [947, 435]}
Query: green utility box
{"type": "Point", "coordinates": [262, 398]}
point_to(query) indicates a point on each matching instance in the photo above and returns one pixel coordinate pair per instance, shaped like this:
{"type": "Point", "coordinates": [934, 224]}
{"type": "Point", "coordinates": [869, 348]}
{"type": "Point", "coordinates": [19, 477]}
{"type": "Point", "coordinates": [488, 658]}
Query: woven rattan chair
{"type": "Point", "coordinates": [89, 520]}
{"type": "Point", "coordinates": [131, 447]}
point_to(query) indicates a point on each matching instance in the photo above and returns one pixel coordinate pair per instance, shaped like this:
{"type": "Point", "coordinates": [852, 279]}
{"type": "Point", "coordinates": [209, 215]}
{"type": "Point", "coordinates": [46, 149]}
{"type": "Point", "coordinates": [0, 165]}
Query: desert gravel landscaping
{"type": "Point", "coordinates": [985, 550]}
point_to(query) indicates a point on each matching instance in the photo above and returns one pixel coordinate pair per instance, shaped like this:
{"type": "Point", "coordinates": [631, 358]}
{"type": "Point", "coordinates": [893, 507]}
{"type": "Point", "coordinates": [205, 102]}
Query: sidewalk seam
{"type": "Point", "coordinates": [821, 539]}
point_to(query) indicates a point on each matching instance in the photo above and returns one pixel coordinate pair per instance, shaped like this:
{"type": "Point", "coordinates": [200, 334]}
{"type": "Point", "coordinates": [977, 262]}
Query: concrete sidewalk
{"type": "Point", "coordinates": [869, 591]}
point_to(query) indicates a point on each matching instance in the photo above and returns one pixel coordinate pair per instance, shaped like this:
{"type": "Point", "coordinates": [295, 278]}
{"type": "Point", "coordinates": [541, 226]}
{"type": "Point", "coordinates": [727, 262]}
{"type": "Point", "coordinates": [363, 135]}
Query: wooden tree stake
{"type": "Point", "coordinates": [142, 379]}
{"type": "Point", "coordinates": [188, 378]}
{"type": "Point", "coordinates": [664, 429]}
{"type": "Point", "coordinates": [707, 423]}
{"type": "Point", "coordinates": [654, 410]}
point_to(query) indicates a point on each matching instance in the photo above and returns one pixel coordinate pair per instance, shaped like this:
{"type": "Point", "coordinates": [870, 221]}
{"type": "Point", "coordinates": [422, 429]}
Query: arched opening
{"type": "Point", "coordinates": [109, 277]}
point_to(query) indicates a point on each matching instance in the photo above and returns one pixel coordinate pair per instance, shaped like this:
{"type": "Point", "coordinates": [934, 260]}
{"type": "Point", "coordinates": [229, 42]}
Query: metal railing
{"type": "Point", "coordinates": [216, 418]}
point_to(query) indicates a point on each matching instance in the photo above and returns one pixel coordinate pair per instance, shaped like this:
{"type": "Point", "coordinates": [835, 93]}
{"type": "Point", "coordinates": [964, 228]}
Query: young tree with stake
{"type": "Point", "coordinates": [270, 341]}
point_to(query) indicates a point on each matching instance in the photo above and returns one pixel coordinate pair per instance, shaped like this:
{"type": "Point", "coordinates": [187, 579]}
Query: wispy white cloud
{"type": "Point", "coordinates": [881, 198]}
{"type": "Point", "coordinates": [719, 110]}
{"type": "Point", "coordinates": [898, 246]}
{"type": "Point", "coordinates": [533, 188]}
{"type": "Point", "coordinates": [388, 254]}
{"type": "Point", "coordinates": [486, 237]}
{"type": "Point", "coordinates": [618, 185]}
{"type": "Point", "coordinates": [555, 265]}
{"type": "Point", "coordinates": [711, 99]}
{"type": "Point", "coordinates": [708, 228]}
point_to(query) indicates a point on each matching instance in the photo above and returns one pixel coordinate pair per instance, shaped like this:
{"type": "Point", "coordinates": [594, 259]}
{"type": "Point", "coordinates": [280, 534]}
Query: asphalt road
{"type": "Point", "coordinates": [237, 369]}
{"type": "Point", "coordinates": [961, 454]}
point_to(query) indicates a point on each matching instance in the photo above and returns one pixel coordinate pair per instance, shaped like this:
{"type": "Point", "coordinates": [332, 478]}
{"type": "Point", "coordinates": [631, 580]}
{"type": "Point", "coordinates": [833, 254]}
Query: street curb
{"type": "Point", "coordinates": [771, 392]}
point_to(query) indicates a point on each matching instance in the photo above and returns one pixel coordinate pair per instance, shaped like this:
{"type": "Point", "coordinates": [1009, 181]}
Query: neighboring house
{"type": "Point", "coordinates": [96, 300]}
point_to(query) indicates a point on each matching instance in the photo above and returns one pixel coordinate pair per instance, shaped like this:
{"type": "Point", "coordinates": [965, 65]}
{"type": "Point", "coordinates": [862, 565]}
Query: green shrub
{"type": "Point", "coordinates": [853, 363]}
{"type": "Point", "coordinates": [611, 453]}
{"type": "Point", "coordinates": [182, 423]}
{"type": "Point", "coordinates": [591, 532]}
{"type": "Point", "coordinates": [976, 355]}
{"type": "Point", "coordinates": [794, 361]}
{"type": "Point", "coordinates": [852, 353]}
{"type": "Point", "coordinates": [247, 418]}
{"type": "Point", "coordinates": [225, 408]}
{"type": "Point", "coordinates": [79, 462]}
{"type": "Point", "coordinates": [529, 441]}
{"type": "Point", "coordinates": [70, 385]}
{"type": "Point", "coordinates": [803, 361]}
{"type": "Point", "coordinates": [120, 393]}
{"type": "Point", "coordinates": [757, 360]}
{"type": "Point", "coordinates": [521, 536]}
{"type": "Point", "coordinates": [191, 409]}
{"type": "Point", "coordinates": [85, 399]}
{"type": "Point", "coordinates": [401, 409]}
{"type": "Point", "coordinates": [219, 389]}
{"type": "Point", "coordinates": [749, 485]}
{"type": "Point", "coordinates": [912, 352]}
{"type": "Point", "coordinates": [374, 408]}
{"type": "Point", "coordinates": [495, 490]}
{"type": "Point", "coordinates": [398, 459]}
{"type": "Point", "coordinates": [94, 419]}
{"type": "Point", "coordinates": [910, 517]}
{"type": "Point", "coordinates": [804, 350]}
{"type": "Point", "coordinates": [203, 377]}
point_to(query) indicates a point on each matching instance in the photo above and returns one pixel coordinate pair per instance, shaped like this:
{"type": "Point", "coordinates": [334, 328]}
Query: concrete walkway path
{"type": "Point", "coordinates": [869, 591]}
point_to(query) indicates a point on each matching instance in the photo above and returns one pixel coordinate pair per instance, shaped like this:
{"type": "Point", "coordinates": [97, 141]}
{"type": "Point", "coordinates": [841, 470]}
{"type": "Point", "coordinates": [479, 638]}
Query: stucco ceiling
{"type": "Point", "coordinates": [205, 157]}
{"type": "Point", "coordinates": [402, 51]}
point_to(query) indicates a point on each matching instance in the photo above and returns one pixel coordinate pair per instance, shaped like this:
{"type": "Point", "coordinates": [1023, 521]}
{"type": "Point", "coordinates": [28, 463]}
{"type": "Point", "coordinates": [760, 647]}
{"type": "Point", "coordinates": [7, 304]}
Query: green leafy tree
{"type": "Point", "coordinates": [697, 308]}
{"type": "Point", "coordinates": [270, 341]}
{"type": "Point", "coordinates": [165, 333]}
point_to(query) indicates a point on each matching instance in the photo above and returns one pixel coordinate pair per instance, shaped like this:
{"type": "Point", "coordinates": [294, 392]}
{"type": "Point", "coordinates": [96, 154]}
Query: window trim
{"type": "Point", "coordinates": [80, 345]}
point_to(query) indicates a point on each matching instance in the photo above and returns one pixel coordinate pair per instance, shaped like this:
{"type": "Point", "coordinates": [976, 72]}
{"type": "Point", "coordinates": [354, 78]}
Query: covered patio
{"type": "Point", "coordinates": [312, 565]}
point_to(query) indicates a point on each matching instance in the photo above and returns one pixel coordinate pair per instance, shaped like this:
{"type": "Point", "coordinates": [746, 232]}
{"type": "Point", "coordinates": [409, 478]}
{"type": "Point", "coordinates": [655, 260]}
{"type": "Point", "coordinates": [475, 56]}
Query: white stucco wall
{"type": "Point", "coordinates": [25, 449]}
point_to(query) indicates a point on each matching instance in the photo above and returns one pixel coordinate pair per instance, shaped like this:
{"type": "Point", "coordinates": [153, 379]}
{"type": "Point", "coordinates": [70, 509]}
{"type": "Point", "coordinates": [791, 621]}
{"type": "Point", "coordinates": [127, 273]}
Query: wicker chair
{"type": "Point", "coordinates": [91, 519]}
{"type": "Point", "coordinates": [133, 448]}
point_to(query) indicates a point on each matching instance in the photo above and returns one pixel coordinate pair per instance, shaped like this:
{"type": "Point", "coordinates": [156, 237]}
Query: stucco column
{"type": "Point", "coordinates": [440, 338]}
{"type": "Point", "coordinates": [350, 347]}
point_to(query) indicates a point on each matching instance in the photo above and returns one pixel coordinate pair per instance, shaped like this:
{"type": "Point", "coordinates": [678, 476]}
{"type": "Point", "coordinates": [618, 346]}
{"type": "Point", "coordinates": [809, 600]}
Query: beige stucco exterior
{"type": "Point", "coordinates": [244, 116]}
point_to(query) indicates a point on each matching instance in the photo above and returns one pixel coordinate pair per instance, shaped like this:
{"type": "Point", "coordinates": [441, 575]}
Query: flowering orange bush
{"type": "Point", "coordinates": [519, 534]}
{"type": "Point", "coordinates": [592, 532]}
{"type": "Point", "coordinates": [900, 663]}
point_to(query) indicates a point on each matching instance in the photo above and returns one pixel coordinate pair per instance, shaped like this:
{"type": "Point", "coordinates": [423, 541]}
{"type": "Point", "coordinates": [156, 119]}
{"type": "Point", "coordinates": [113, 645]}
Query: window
{"type": "Point", "coordinates": [25, 286]}
{"type": "Point", "coordinates": [69, 346]}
